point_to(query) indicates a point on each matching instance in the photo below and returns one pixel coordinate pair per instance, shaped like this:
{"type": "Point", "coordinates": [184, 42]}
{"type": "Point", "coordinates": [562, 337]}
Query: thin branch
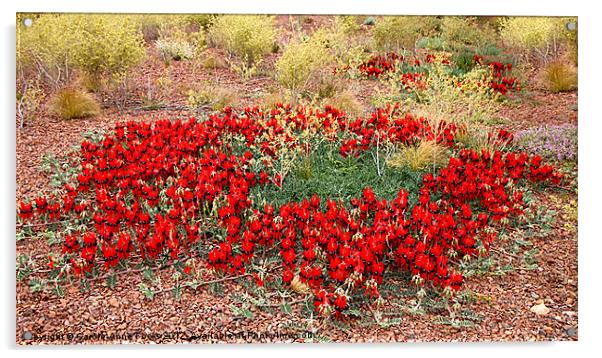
{"type": "Point", "coordinates": [23, 225]}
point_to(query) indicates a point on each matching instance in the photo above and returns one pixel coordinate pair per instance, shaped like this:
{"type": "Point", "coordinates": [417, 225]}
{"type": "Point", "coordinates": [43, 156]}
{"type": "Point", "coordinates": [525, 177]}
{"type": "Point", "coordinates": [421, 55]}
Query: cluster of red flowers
{"type": "Point", "coordinates": [378, 64]}
{"type": "Point", "coordinates": [150, 188]}
{"type": "Point", "coordinates": [381, 64]}
{"type": "Point", "coordinates": [389, 125]}
{"type": "Point", "coordinates": [339, 247]}
{"type": "Point", "coordinates": [502, 82]}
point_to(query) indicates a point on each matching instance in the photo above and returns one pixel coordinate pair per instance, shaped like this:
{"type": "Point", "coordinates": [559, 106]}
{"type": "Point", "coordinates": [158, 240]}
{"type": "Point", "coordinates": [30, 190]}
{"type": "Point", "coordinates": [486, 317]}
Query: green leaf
{"type": "Point", "coordinates": [36, 285]}
{"type": "Point", "coordinates": [177, 292]}
{"type": "Point", "coordinates": [248, 314]}
{"type": "Point", "coordinates": [147, 291]}
{"type": "Point", "coordinates": [235, 310]}
{"type": "Point", "coordinates": [58, 290]}
{"type": "Point", "coordinates": [354, 312]}
{"type": "Point", "coordinates": [286, 308]}
{"type": "Point", "coordinates": [112, 281]}
{"type": "Point", "coordinates": [390, 322]}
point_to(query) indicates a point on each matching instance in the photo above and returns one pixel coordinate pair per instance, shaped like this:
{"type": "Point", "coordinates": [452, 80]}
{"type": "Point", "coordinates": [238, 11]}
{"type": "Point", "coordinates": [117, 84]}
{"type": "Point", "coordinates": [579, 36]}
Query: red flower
{"type": "Point", "coordinates": [187, 270]}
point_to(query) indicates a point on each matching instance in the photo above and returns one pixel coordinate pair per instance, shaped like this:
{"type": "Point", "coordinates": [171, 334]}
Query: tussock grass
{"type": "Point", "coordinates": [559, 77]}
{"type": "Point", "coordinates": [71, 103]}
{"type": "Point", "coordinates": [420, 157]}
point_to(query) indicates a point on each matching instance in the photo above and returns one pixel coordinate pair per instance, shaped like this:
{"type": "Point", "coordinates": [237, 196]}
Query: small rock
{"type": "Point", "coordinates": [570, 313]}
{"type": "Point", "coordinates": [540, 309]}
{"type": "Point", "coordinates": [534, 295]}
{"type": "Point", "coordinates": [113, 302]}
{"type": "Point", "coordinates": [571, 332]}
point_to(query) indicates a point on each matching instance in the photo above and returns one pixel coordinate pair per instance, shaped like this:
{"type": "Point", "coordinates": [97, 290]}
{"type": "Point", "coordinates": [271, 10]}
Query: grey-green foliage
{"type": "Point", "coordinates": [326, 173]}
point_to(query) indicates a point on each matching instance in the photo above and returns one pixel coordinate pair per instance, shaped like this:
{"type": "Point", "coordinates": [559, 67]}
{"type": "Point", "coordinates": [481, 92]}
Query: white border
{"type": "Point", "coordinates": [589, 129]}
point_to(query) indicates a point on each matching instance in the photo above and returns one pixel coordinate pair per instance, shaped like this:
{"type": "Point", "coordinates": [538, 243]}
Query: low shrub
{"type": "Point", "coordinates": [464, 99]}
{"type": "Point", "coordinates": [174, 50]}
{"type": "Point", "coordinates": [212, 61]}
{"type": "Point", "coordinates": [248, 37]}
{"type": "Point", "coordinates": [349, 24]}
{"type": "Point", "coordinates": [369, 21]}
{"type": "Point", "coordinates": [99, 45]}
{"type": "Point", "coordinates": [553, 142]}
{"type": "Point", "coordinates": [203, 21]}
{"type": "Point", "coordinates": [72, 103]}
{"type": "Point", "coordinates": [464, 60]}
{"type": "Point", "coordinates": [151, 25]}
{"type": "Point", "coordinates": [559, 76]}
{"type": "Point", "coordinates": [536, 37]}
{"type": "Point", "coordinates": [302, 64]}
{"type": "Point", "coordinates": [458, 31]}
{"type": "Point", "coordinates": [211, 96]}
{"type": "Point", "coordinates": [176, 44]}
{"type": "Point", "coordinates": [393, 33]}
{"type": "Point", "coordinates": [431, 43]}
{"type": "Point", "coordinates": [488, 50]}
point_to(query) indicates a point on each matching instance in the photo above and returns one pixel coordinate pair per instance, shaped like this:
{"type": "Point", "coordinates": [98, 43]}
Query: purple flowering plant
{"type": "Point", "coordinates": [553, 142]}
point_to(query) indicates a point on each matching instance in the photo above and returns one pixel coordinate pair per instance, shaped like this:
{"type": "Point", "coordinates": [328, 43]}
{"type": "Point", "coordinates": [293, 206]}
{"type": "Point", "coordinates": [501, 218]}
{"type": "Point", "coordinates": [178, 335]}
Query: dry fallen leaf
{"type": "Point", "coordinates": [298, 286]}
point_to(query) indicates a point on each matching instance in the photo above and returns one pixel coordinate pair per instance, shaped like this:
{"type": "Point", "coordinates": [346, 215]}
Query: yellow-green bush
{"type": "Point", "coordinates": [441, 98]}
{"type": "Point", "coordinates": [248, 37]}
{"type": "Point", "coordinates": [559, 76]}
{"type": "Point", "coordinates": [458, 31]}
{"type": "Point", "coordinates": [298, 67]}
{"type": "Point", "coordinates": [540, 36]}
{"type": "Point", "coordinates": [111, 44]}
{"type": "Point", "coordinates": [151, 25]}
{"type": "Point", "coordinates": [348, 24]}
{"type": "Point", "coordinates": [203, 21]}
{"type": "Point", "coordinates": [306, 63]}
{"type": "Point", "coordinates": [392, 33]}
{"type": "Point", "coordinates": [70, 103]}
{"type": "Point", "coordinates": [176, 44]}
{"type": "Point", "coordinates": [46, 47]}
{"type": "Point", "coordinates": [99, 45]}
{"type": "Point", "coordinates": [528, 32]}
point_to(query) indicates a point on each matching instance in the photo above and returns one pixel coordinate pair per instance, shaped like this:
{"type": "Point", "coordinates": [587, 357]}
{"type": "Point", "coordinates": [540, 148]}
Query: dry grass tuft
{"type": "Point", "coordinates": [213, 97]}
{"type": "Point", "coordinates": [420, 157]}
{"type": "Point", "coordinates": [71, 103]}
{"type": "Point", "coordinates": [559, 77]}
{"type": "Point", "coordinates": [347, 102]}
